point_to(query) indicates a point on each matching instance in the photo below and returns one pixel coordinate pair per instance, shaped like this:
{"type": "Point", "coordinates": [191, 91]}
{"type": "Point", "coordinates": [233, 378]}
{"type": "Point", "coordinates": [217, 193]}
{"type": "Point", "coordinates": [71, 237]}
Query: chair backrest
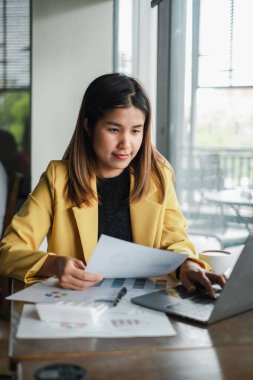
{"type": "Point", "coordinates": [12, 199]}
{"type": "Point", "coordinates": [9, 213]}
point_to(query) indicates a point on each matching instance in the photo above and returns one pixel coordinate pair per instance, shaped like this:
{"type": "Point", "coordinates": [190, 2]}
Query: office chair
{"type": "Point", "coordinates": [9, 213]}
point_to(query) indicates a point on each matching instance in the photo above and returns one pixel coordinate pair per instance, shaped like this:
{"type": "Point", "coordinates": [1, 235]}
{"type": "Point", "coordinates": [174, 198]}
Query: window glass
{"type": "Point", "coordinates": [15, 95]}
{"type": "Point", "coordinates": [225, 52]}
{"type": "Point", "coordinates": [214, 155]}
{"type": "Point", "coordinates": [125, 37]}
{"type": "Point", "coordinates": [15, 137]}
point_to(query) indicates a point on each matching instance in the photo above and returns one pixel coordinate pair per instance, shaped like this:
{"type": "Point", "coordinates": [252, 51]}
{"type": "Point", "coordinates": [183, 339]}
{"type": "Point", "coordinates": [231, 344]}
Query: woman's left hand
{"type": "Point", "coordinates": [192, 273]}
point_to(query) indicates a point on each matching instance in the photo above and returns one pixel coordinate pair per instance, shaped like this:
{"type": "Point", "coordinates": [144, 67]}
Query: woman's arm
{"type": "Point", "coordinates": [193, 270]}
{"type": "Point", "coordinates": [20, 256]}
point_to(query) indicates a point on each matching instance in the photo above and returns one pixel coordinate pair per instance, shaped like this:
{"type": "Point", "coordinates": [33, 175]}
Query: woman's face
{"type": "Point", "coordinates": [117, 139]}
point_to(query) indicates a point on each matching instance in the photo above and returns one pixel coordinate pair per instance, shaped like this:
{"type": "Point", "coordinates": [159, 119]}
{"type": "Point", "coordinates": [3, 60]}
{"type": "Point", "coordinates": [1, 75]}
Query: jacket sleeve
{"type": "Point", "coordinates": [20, 256]}
{"type": "Point", "coordinates": [174, 235]}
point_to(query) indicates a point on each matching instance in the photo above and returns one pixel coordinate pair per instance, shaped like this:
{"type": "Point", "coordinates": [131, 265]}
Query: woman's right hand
{"type": "Point", "coordinates": [70, 272]}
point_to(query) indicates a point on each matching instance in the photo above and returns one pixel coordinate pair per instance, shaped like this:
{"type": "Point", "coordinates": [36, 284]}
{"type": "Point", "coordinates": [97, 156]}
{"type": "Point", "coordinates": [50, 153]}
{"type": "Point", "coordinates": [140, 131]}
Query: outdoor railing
{"type": "Point", "coordinates": [235, 165]}
{"type": "Point", "coordinates": [204, 170]}
{"type": "Point", "coordinates": [215, 169]}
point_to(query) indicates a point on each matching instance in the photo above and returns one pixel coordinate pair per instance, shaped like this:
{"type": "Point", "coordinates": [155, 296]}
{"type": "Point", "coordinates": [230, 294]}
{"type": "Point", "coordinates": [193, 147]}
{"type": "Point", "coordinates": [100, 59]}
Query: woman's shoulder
{"type": "Point", "coordinates": [57, 167]}
{"type": "Point", "coordinates": [56, 173]}
{"type": "Point", "coordinates": [53, 180]}
{"type": "Point", "coordinates": [164, 165]}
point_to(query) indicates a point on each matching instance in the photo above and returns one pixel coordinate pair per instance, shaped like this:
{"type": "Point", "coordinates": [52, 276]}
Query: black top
{"type": "Point", "coordinates": [113, 208]}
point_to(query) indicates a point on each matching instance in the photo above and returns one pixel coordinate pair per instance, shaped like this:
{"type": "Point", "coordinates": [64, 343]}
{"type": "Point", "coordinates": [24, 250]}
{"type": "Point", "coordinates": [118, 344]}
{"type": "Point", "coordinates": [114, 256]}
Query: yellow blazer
{"type": "Point", "coordinates": [73, 231]}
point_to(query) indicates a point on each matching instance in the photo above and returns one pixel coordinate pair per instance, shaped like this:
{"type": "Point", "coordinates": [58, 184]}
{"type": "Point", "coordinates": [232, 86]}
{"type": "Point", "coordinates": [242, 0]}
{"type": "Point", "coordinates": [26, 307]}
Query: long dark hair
{"type": "Point", "coordinates": [103, 94]}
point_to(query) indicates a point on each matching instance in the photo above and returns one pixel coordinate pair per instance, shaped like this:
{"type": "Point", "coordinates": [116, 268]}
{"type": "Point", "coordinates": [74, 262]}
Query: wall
{"type": "Point", "coordinates": [72, 43]}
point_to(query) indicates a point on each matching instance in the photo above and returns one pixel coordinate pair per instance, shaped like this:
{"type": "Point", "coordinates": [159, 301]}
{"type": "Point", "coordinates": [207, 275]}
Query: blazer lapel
{"type": "Point", "coordinates": [145, 217]}
{"type": "Point", "coordinates": [87, 222]}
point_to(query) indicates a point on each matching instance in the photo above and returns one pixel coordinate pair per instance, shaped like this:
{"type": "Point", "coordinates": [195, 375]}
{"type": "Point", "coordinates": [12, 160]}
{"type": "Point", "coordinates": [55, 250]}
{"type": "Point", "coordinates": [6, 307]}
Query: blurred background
{"type": "Point", "coordinates": [195, 59]}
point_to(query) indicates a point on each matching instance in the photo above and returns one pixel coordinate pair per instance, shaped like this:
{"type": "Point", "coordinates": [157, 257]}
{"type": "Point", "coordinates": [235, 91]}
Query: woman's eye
{"type": "Point", "coordinates": [135, 131]}
{"type": "Point", "coordinates": [113, 130]}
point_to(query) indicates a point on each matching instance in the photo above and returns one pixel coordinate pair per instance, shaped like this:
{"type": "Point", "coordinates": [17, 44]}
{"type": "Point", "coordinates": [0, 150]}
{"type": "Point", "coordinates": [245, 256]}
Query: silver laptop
{"type": "Point", "coordinates": [234, 298]}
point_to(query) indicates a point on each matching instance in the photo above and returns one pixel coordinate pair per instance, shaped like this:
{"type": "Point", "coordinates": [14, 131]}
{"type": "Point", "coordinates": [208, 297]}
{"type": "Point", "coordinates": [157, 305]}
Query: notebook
{"type": "Point", "coordinates": [234, 298]}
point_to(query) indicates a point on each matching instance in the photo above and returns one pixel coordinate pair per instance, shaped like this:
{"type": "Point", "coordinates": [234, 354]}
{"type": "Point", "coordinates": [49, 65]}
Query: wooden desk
{"type": "Point", "coordinates": [226, 346]}
{"type": "Point", "coordinates": [219, 363]}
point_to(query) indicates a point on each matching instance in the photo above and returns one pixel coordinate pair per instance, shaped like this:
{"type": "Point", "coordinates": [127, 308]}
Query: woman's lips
{"type": "Point", "coordinates": [121, 156]}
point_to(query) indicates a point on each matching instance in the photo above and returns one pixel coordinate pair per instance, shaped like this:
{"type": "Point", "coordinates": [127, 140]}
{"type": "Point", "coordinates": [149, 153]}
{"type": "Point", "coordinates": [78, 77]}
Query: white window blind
{"type": "Point", "coordinates": [225, 47]}
{"type": "Point", "coordinates": [14, 44]}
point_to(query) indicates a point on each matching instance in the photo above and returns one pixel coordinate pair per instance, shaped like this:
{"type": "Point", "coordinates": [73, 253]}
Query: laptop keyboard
{"type": "Point", "coordinates": [193, 309]}
{"type": "Point", "coordinates": [197, 306]}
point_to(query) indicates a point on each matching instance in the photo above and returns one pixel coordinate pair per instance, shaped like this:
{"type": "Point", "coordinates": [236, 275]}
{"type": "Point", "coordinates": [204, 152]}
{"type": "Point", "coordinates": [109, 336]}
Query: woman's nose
{"type": "Point", "coordinates": [125, 140]}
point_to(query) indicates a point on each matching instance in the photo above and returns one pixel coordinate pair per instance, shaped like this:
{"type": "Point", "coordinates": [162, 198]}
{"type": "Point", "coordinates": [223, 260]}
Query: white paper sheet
{"type": "Point", "coordinates": [49, 291]}
{"type": "Point", "coordinates": [125, 320]}
{"type": "Point", "coordinates": [118, 258]}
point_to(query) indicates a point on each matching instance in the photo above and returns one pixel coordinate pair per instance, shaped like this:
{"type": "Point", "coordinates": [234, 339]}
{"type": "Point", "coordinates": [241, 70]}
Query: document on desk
{"type": "Point", "coordinates": [118, 258]}
{"type": "Point", "coordinates": [123, 323]}
{"type": "Point", "coordinates": [112, 258]}
{"type": "Point", "coordinates": [49, 291]}
{"type": "Point", "coordinates": [123, 320]}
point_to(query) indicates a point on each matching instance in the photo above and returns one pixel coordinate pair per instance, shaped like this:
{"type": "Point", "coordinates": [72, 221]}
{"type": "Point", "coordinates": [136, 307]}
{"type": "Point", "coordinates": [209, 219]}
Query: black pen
{"type": "Point", "coordinates": [120, 294]}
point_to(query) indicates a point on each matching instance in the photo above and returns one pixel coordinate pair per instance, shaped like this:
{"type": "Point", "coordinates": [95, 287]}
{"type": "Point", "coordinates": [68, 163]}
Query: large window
{"type": "Point", "coordinates": [15, 90]}
{"type": "Point", "coordinates": [124, 49]}
{"type": "Point", "coordinates": [224, 79]}
{"type": "Point", "coordinates": [209, 112]}
{"type": "Point", "coordinates": [135, 44]}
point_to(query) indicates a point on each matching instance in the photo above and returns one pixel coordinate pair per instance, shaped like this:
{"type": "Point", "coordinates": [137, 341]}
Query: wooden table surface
{"type": "Point", "coordinates": [220, 363]}
{"type": "Point", "coordinates": [224, 347]}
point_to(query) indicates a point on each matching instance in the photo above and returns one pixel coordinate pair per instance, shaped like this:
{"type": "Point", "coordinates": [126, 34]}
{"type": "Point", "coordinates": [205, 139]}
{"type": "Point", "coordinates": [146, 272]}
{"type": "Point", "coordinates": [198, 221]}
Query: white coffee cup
{"type": "Point", "coordinates": [218, 260]}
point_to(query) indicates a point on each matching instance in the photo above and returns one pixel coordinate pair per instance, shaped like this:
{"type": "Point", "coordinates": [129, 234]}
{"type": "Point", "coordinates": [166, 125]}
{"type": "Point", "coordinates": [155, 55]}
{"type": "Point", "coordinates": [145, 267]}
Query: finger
{"type": "Point", "coordinates": [86, 276]}
{"type": "Point", "coordinates": [92, 277]}
{"type": "Point", "coordinates": [219, 279]}
{"type": "Point", "coordinates": [204, 280]}
{"type": "Point", "coordinates": [188, 284]}
{"type": "Point", "coordinates": [80, 274]}
{"type": "Point", "coordinates": [79, 264]}
{"type": "Point", "coordinates": [201, 277]}
{"type": "Point", "coordinates": [70, 282]}
{"type": "Point", "coordinates": [66, 265]}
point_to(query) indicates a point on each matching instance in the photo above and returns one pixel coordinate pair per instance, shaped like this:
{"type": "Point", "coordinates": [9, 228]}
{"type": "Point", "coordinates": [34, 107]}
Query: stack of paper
{"type": "Point", "coordinates": [60, 313]}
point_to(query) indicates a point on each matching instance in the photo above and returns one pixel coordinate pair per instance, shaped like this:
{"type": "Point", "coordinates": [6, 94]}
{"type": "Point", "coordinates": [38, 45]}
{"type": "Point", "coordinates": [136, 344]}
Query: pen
{"type": "Point", "coordinates": [120, 294]}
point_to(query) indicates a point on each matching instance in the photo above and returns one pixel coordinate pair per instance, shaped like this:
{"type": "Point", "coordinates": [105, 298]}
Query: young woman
{"type": "Point", "coordinates": [111, 181]}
